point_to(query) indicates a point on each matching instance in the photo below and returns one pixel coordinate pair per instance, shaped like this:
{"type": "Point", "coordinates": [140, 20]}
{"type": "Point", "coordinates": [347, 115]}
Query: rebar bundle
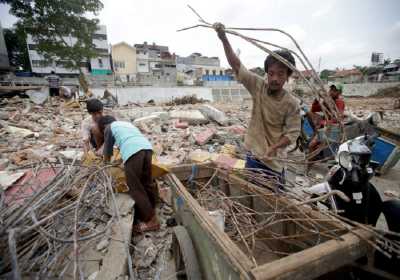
{"type": "Point", "coordinates": [248, 225]}
{"type": "Point", "coordinates": [43, 234]}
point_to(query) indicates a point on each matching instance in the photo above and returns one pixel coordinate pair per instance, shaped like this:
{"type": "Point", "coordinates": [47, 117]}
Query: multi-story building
{"type": "Point", "coordinates": [4, 63]}
{"type": "Point", "coordinates": [196, 68]}
{"type": "Point", "coordinates": [124, 61]}
{"type": "Point", "coordinates": [101, 64]}
{"type": "Point", "coordinates": [155, 64]}
{"type": "Point", "coordinates": [96, 66]}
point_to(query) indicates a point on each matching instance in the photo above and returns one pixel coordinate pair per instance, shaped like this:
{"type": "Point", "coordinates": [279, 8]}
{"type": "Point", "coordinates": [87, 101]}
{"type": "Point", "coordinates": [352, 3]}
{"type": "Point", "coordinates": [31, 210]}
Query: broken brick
{"type": "Point", "coordinates": [183, 125]}
{"type": "Point", "coordinates": [204, 136]}
{"type": "Point", "coordinates": [237, 129]}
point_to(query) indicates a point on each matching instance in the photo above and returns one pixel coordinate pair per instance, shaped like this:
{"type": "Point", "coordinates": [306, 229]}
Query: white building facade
{"type": "Point", "coordinates": [96, 66]}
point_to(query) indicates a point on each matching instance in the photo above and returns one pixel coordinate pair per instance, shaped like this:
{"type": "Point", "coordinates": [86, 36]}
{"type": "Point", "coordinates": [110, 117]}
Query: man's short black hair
{"type": "Point", "coordinates": [94, 106]}
{"type": "Point", "coordinates": [104, 121]}
{"type": "Point", "coordinates": [285, 54]}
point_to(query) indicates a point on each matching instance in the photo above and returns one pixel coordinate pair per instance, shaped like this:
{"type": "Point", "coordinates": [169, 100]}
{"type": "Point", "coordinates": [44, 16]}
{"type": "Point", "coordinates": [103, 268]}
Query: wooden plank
{"type": "Point", "coordinates": [226, 247]}
{"type": "Point", "coordinates": [184, 171]}
{"type": "Point", "coordinates": [315, 261]}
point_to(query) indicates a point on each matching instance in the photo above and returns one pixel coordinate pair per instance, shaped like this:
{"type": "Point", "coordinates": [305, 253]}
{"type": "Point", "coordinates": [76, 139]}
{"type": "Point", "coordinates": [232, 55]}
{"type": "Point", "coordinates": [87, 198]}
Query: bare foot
{"type": "Point", "coordinates": [151, 225]}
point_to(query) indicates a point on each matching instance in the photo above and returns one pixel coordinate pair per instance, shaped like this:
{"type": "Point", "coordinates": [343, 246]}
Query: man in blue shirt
{"type": "Point", "coordinates": [136, 152]}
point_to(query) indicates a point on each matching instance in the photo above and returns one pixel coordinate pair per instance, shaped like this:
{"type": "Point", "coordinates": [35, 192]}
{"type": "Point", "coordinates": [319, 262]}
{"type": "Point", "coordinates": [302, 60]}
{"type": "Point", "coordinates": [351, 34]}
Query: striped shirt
{"type": "Point", "coordinates": [54, 81]}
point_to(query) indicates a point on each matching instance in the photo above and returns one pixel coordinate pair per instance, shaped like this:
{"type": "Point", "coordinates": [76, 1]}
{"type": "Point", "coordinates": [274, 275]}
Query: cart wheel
{"type": "Point", "coordinates": [185, 255]}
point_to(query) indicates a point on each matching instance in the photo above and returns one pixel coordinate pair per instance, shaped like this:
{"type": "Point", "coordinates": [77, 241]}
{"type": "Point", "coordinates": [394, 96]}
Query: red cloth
{"type": "Point", "coordinates": [316, 107]}
{"type": "Point", "coordinates": [340, 105]}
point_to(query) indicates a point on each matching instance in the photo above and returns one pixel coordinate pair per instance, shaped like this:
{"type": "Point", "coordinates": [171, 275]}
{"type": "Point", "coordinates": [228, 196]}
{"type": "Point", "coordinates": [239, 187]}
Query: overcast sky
{"type": "Point", "coordinates": [340, 32]}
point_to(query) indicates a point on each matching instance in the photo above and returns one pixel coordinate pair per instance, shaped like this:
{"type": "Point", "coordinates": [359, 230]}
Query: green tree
{"type": "Point", "coordinates": [17, 49]}
{"type": "Point", "coordinates": [325, 74]}
{"type": "Point", "coordinates": [386, 61]}
{"type": "Point", "coordinates": [62, 29]}
{"type": "Point", "coordinates": [363, 69]}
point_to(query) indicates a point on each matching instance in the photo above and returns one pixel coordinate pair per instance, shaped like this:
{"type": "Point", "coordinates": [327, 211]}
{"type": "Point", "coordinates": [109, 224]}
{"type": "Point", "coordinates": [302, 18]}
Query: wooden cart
{"type": "Point", "coordinates": [209, 253]}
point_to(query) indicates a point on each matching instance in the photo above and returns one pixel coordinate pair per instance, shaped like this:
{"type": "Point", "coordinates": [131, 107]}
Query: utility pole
{"type": "Point", "coordinates": [319, 65]}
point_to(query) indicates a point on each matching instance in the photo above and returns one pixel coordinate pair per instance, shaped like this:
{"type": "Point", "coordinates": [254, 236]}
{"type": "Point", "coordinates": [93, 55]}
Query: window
{"type": "Point", "coordinates": [61, 63]}
{"type": "Point", "coordinates": [117, 64]}
{"type": "Point", "coordinates": [207, 72]}
{"type": "Point", "coordinates": [142, 64]}
{"type": "Point", "coordinates": [214, 72]}
{"type": "Point", "coordinates": [100, 36]}
{"type": "Point", "coordinates": [40, 63]}
{"type": "Point", "coordinates": [101, 51]}
{"type": "Point", "coordinates": [100, 63]}
{"type": "Point", "coordinates": [221, 73]}
{"type": "Point", "coordinates": [32, 47]}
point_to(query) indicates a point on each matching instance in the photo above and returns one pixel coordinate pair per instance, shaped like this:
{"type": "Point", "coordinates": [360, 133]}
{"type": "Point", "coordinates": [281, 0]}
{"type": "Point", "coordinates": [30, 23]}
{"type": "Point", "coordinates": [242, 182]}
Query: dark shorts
{"type": "Point", "coordinates": [253, 163]}
{"type": "Point", "coordinates": [93, 141]}
{"type": "Point", "coordinates": [140, 182]}
{"type": "Point", "coordinates": [54, 91]}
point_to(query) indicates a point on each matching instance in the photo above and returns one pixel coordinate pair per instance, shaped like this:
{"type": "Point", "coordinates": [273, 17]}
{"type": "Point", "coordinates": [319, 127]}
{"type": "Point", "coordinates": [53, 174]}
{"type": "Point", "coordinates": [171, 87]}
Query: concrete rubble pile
{"type": "Point", "coordinates": [31, 133]}
{"type": "Point", "coordinates": [178, 132]}
{"type": "Point", "coordinates": [34, 135]}
{"type": "Point", "coordinates": [46, 139]}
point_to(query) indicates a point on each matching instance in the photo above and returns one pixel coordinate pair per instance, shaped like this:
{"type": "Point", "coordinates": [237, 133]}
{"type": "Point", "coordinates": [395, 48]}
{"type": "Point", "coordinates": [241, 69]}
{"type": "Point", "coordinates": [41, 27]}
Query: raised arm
{"type": "Point", "coordinates": [233, 60]}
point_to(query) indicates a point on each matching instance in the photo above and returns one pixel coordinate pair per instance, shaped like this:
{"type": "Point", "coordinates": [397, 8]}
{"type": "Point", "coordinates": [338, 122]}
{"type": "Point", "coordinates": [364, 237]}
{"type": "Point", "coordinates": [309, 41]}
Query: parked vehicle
{"type": "Point", "coordinates": [361, 202]}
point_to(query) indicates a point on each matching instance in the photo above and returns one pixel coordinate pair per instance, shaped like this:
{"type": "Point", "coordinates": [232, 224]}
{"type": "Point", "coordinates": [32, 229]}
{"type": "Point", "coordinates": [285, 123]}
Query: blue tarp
{"type": "Point", "coordinates": [217, 78]}
{"type": "Point", "coordinates": [382, 150]}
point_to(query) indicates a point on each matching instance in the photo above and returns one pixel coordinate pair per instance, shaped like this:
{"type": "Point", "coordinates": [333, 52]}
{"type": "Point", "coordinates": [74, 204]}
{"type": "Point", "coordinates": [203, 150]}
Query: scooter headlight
{"type": "Point", "coordinates": [345, 160]}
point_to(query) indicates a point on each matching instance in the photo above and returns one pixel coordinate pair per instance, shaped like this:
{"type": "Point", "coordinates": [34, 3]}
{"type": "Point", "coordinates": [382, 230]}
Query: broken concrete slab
{"type": "Point", "coordinates": [38, 97]}
{"type": "Point", "coordinates": [147, 119]}
{"type": "Point", "coordinates": [199, 156]}
{"type": "Point", "coordinates": [113, 263]}
{"type": "Point", "coordinates": [20, 132]}
{"type": "Point", "coordinates": [214, 114]}
{"type": "Point", "coordinates": [72, 154]}
{"type": "Point", "coordinates": [7, 178]}
{"type": "Point", "coordinates": [164, 116]}
{"type": "Point", "coordinates": [190, 116]}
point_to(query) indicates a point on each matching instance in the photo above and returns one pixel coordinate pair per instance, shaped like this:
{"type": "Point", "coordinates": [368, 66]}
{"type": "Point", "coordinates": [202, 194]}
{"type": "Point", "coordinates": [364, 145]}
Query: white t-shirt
{"type": "Point", "coordinates": [65, 91]}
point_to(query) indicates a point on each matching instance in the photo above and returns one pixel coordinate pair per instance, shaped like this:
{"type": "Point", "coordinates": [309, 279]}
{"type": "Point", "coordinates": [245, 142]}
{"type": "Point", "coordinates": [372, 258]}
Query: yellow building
{"type": "Point", "coordinates": [124, 61]}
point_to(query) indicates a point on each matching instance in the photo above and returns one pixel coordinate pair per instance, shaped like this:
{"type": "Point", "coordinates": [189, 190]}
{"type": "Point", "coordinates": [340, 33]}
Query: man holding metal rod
{"type": "Point", "coordinates": [275, 119]}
